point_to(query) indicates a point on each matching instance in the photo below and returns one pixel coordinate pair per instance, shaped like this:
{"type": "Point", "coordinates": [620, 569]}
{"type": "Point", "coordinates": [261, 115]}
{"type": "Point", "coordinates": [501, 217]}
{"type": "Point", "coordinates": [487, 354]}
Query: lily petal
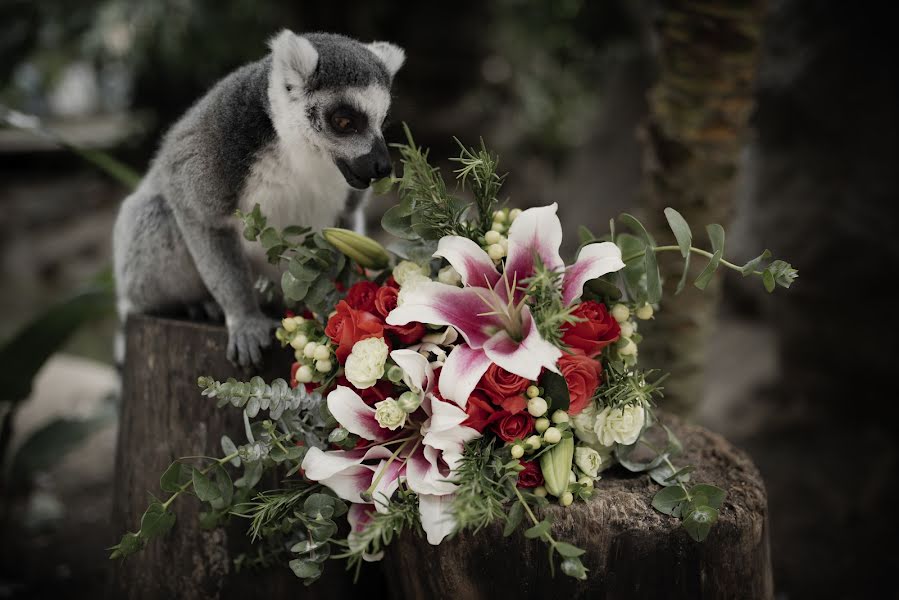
{"type": "Point", "coordinates": [444, 429]}
{"type": "Point", "coordinates": [418, 374]}
{"type": "Point", "coordinates": [437, 518]}
{"type": "Point", "coordinates": [354, 415]}
{"type": "Point", "coordinates": [440, 304]}
{"type": "Point", "coordinates": [594, 260]}
{"type": "Point", "coordinates": [469, 259]}
{"type": "Point", "coordinates": [427, 474]}
{"type": "Point", "coordinates": [535, 231]}
{"type": "Point", "coordinates": [359, 516]}
{"type": "Point", "coordinates": [388, 477]}
{"type": "Point", "coordinates": [525, 358]}
{"type": "Point", "coordinates": [319, 465]}
{"type": "Point", "coordinates": [463, 369]}
{"type": "Point", "coordinates": [350, 483]}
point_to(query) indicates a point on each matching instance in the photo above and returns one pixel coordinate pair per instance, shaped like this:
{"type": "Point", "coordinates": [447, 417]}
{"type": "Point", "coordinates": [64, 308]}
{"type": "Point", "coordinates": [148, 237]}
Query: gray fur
{"type": "Point", "coordinates": [254, 137]}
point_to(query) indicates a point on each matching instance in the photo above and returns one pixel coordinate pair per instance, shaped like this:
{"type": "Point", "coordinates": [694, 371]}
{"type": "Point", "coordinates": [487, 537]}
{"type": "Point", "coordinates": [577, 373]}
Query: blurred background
{"type": "Point", "coordinates": [779, 120]}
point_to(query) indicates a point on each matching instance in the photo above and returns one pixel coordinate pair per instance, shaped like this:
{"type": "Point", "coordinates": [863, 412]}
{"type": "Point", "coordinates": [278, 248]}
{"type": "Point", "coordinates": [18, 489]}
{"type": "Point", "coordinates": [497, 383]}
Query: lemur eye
{"type": "Point", "coordinates": [345, 121]}
{"type": "Point", "coordinates": [288, 87]}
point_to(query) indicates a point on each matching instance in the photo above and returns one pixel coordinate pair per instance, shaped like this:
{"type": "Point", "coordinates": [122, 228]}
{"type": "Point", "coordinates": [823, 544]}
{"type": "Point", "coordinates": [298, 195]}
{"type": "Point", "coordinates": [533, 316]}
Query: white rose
{"type": "Point", "coordinates": [583, 424]}
{"type": "Point", "coordinates": [413, 282]}
{"type": "Point", "coordinates": [620, 425]}
{"type": "Point", "coordinates": [389, 414]}
{"type": "Point", "coordinates": [402, 271]}
{"type": "Point", "coordinates": [587, 460]}
{"type": "Point", "coordinates": [365, 364]}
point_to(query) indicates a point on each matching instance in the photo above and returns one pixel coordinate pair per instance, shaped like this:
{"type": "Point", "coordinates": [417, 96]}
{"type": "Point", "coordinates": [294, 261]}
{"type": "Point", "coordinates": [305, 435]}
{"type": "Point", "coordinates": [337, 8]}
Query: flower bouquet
{"type": "Point", "coordinates": [464, 377]}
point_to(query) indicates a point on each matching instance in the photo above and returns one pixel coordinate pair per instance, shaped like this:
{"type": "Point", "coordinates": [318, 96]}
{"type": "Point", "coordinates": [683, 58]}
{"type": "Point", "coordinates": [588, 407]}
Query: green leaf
{"type": "Point", "coordinates": [714, 495]}
{"type": "Point", "coordinates": [663, 475]}
{"type": "Point", "coordinates": [294, 289]}
{"type": "Point", "coordinates": [668, 499]}
{"type": "Point", "coordinates": [637, 227]}
{"type": "Point", "coordinates": [603, 288]}
{"type": "Point", "coordinates": [301, 271]}
{"type": "Point", "coordinates": [306, 546]}
{"type": "Point", "coordinates": [681, 231]}
{"type": "Point", "coordinates": [129, 544]}
{"type": "Point", "coordinates": [319, 506]}
{"type": "Point", "coordinates": [305, 569]}
{"type": "Point", "coordinates": [204, 488]}
{"type": "Point", "coordinates": [749, 267]}
{"type": "Point", "coordinates": [555, 390]}
{"type": "Point", "coordinates": [653, 277]}
{"type": "Point", "coordinates": [269, 237]}
{"type": "Point", "coordinates": [539, 530]}
{"type": "Point", "coordinates": [397, 221]}
{"type": "Point", "coordinates": [568, 550]}
{"type": "Point", "coordinates": [174, 477]}
{"type": "Point", "coordinates": [573, 567]}
{"type": "Point", "coordinates": [586, 236]}
{"type": "Point", "coordinates": [699, 522]}
{"type": "Point", "coordinates": [155, 521]}
{"type": "Point", "coordinates": [229, 448]}
{"type": "Point", "coordinates": [223, 483]}
{"type": "Point", "coordinates": [322, 530]}
{"type": "Point", "coordinates": [716, 235]}
{"type": "Point", "coordinates": [683, 278]}
{"type": "Point", "coordinates": [252, 473]}
{"type": "Point", "coordinates": [768, 281]}
{"type": "Point", "coordinates": [513, 520]}
{"type": "Point", "coordinates": [23, 355]}
{"type": "Point", "coordinates": [295, 230]}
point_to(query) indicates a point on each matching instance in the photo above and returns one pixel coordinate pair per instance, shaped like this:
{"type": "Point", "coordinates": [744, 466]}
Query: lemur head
{"type": "Point", "coordinates": [333, 93]}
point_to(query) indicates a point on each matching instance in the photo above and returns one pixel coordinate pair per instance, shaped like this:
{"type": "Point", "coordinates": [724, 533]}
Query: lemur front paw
{"type": "Point", "coordinates": [246, 339]}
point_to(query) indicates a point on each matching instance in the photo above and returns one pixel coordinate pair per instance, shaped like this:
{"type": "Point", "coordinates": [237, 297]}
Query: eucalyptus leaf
{"type": "Point", "coordinates": [305, 569]}
{"type": "Point", "coordinates": [714, 495]}
{"type": "Point", "coordinates": [667, 499]}
{"type": "Point", "coordinates": [513, 520]}
{"type": "Point", "coordinates": [573, 567]}
{"type": "Point", "coordinates": [681, 230]}
{"type": "Point", "coordinates": [568, 550]}
{"type": "Point", "coordinates": [750, 266]}
{"type": "Point", "coordinates": [174, 477]}
{"type": "Point", "coordinates": [539, 530]}
{"type": "Point", "coordinates": [155, 521]}
{"type": "Point", "coordinates": [653, 277]}
{"type": "Point", "coordinates": [699, 522]}
{"type": "Point", "coordinates": [716, 235]}
{"type": "Point", "coordinates": [204, 488]}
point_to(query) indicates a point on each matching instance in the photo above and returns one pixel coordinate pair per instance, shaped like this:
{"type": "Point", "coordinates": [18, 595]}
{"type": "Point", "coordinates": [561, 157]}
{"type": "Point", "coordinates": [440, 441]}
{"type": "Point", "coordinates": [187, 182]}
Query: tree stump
{"type": "Point", "coordinates": [164, 417]}
{"type": "Point", "coordinates": [632, 551]}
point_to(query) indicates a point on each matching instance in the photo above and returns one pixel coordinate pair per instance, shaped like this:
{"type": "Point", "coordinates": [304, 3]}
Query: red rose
{"type": "Point", "coordinates": [479, 411]}
{"type": "Point", "coordinates": [382, 390]}
{"type": "Point", "coordinates": [499, 385]}
{"type": "Point", "coordinates": [349, 326]}
{"type": "Point", "coordinates": [582, 374]}
{"type": "Point", "coordinates": [511, 427]}
{"type": "Point", "coordinates": [385, 300]}
{"type": "Point", "coordinates": [391, 282]}
{"type": "Point", "coordinates": [532, 476]}
{"type": "Point", "coordinates": [597, 330]}
{"type": "Point", "coordinates": [362, 296]}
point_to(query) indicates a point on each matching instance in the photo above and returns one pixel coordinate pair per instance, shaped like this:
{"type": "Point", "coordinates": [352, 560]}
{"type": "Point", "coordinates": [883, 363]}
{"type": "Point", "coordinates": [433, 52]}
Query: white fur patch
{"type": "Point", "coordinates": [294, 185]}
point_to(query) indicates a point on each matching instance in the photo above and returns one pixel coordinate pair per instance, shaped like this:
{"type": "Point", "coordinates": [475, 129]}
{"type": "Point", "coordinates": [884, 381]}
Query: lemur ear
{"type": "Point", "coordinates": [391, 55]}
{"type": "Point", "coordinates": [294, 53]}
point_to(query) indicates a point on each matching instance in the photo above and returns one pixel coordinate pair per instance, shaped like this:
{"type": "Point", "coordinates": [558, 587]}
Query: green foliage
{"type": "Point", "coordinates": [543, 289]}
{"type": "Point", "coordinates": [256, 395]}
{"type": "Point", "coordinates": [624, 386]}
{"type": "Point", "coordinates": [313, 264]}
{"type": "Point", "coordinates": [555, 391]}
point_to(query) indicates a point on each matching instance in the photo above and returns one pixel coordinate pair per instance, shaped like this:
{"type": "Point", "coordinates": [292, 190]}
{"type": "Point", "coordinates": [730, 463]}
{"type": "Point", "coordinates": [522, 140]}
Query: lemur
{"type": "Point", "coordinates": [298, 132]}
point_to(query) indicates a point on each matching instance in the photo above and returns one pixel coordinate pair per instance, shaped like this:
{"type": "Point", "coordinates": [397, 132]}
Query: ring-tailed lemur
{"type": "Point", "coordinates": [299, 132]}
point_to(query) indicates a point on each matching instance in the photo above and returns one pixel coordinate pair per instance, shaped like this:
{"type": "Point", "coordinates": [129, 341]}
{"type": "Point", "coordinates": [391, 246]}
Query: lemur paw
{"type": "Point", "coordinates": [246, 339]}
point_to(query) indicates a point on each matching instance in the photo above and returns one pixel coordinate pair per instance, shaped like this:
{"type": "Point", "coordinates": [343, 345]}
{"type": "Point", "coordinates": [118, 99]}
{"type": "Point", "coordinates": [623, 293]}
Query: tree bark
{"type": "Point", "coordinates": [706, 55]}
{"type": "Point", "coordinates": [633, 551]}
{"type": "Point", "coordinates": [164, 418]}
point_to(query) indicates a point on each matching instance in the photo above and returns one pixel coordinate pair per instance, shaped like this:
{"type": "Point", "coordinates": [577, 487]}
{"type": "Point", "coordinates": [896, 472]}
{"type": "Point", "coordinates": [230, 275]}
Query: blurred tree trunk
{"type": "Point", "coordinates": [706, 55]}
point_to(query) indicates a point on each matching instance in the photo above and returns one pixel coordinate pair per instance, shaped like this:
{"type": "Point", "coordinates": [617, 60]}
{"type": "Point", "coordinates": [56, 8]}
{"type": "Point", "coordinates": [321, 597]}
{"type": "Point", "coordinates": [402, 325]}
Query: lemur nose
{"type": "Point", "coordinates": [383, 168]}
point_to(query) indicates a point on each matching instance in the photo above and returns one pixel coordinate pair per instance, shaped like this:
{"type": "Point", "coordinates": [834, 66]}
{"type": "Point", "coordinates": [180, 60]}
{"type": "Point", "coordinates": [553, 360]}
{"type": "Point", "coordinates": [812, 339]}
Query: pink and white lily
{"type": "Point", "coordinates": [423, 454]}
{"type": "Point", "coordinates": [490, 311]}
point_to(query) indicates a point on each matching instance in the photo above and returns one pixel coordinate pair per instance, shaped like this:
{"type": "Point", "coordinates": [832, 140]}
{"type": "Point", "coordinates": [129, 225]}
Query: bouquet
{"type": "Point", "coordinates": [466, 376]}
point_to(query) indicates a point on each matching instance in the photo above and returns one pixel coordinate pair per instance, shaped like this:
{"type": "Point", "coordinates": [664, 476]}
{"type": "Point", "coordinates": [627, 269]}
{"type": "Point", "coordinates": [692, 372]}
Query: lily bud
{"type": "Point", "coordinates": [365, 251]}
{"type": "Point", "coordinates": [409, 402]}
{"type": "Point", "coordinates": [556, 465]}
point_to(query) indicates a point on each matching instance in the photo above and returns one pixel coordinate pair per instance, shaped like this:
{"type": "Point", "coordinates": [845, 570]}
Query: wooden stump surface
{"type": "Point", "coordinates": [164, 417]}
{"type": "Point", "coordinates": [632, 550]}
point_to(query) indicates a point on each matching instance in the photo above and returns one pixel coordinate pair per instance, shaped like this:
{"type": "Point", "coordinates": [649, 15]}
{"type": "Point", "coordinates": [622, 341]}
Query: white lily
{"type": "Point", "coordinates": [491, 311]}
{"type": "Point", "coordinates": [423, 454]}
